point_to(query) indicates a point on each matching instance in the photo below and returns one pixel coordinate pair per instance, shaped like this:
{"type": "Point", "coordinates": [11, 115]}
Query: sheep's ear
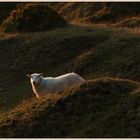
{"type": "Point", "coordinates": [28, 75]}
{"type": "Point", "coordinates": [40, 74]}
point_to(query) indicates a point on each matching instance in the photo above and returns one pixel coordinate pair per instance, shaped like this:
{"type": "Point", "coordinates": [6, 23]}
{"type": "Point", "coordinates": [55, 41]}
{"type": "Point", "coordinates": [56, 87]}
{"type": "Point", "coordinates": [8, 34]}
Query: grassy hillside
{"type": "Point", "coordinates": [32, 18]}
{"type": "Point", "coordinates": [108, 58]}
{"type": "Point", "coordinates": [100, 108]}
{"type": "Point", "coordinates": [97, 12]}
{"type": "Point", "coordinates": [90, 51]}
{"type": "Point", "coordinates": [133, 22]}
{"type": "Point", "coordinates": [20, 55]}
{"type": "Point", "coordinates": [86, 12]}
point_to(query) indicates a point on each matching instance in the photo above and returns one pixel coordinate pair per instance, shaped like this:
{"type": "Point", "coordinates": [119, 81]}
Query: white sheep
{"type": "Point", "coordinates": [42, 86]}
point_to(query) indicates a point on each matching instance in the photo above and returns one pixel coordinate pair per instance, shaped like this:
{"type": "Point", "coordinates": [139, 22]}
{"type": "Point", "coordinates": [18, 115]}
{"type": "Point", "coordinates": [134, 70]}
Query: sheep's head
{"type": "Point", "coordinates": [35, 77]}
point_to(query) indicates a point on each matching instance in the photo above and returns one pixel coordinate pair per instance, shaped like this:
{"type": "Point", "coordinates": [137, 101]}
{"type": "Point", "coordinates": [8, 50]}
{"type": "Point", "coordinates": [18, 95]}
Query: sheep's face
{"type": "Point", "coordinates": [35, 78]}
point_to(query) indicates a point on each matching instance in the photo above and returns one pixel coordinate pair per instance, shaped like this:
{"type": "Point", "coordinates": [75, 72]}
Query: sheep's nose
{"type": "Point", "coordinates": [34, 82]}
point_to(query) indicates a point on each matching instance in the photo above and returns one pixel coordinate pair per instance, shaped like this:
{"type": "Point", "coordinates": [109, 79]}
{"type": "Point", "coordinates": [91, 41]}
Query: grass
{"type": "Point", "coordinates": [86, 50]}
{"type": "Point", "coordinates": [86, 111]}
{"type": "Point", "coordinates": [96, 12]}
{"type": "Point", "coordinates": [106, 106]}
{"type": "Point", "coordinates": [32, 17]}
{"type": "Point", "coordinates": [132, 22]}
{"type": "Point", "coordinates": [20, 55]}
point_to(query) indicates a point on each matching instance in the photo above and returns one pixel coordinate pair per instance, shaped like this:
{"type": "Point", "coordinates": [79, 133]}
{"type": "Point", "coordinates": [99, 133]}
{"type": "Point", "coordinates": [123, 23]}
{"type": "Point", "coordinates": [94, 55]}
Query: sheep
{"type": "Point", "coordinates": [41, 85]}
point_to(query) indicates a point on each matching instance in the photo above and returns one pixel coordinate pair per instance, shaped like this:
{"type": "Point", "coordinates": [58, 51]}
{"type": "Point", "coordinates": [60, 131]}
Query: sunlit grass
{"type": "Point", "coordinates": [83, 109]}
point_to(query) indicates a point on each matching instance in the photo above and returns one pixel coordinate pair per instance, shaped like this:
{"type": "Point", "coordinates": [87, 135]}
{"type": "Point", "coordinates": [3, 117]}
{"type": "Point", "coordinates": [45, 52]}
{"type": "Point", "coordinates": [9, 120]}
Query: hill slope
{"type": "Point", "coordinates": [87, 12]}
{"type": "Point", "coordinates": [97, 12]}
{"type": "Point", "coordinates": [90, 51]}
{"type": "Point", "coordinates": [32, 18]}
{"type": "Point", "coordinates": [103, 107]}
{"type": "Point", "coordinates": [99, 108]}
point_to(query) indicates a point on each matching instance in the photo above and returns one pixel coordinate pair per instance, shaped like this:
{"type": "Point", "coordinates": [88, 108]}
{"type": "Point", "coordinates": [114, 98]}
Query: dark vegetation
{"type": "Point", "coordinates": [85, 12]}
{"type": "Point", "coordinates": [107, 105]}
{"type": "Point", "coordinates": [97, 12]}
{"type": "Point", "coordinates": [5, 9]}
{"type": "Point", "coordinates": [32, 17]}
